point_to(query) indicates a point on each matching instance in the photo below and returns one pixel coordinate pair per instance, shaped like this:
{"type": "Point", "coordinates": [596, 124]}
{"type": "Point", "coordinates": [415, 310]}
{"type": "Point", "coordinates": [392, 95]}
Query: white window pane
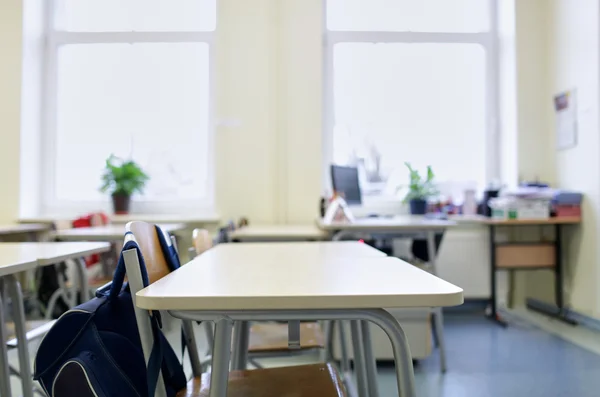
{"type": "Point", "coordinates": [421, 103]}
{"type": "Point", "coordinates": [135, 15]}
{"type": "Point", "coordinates": [149, 101]}
{"type": "Point", "coordinates": [409, 15]}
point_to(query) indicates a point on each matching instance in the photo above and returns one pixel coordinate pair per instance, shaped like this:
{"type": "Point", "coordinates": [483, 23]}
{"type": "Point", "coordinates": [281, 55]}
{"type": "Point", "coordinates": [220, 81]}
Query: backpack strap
{"type": "Point", "coordinates": [120, 271]}
{"type": "Point", "coordinates": [156, 357]}
{"type": "Point", "coordinates": [169, 251]}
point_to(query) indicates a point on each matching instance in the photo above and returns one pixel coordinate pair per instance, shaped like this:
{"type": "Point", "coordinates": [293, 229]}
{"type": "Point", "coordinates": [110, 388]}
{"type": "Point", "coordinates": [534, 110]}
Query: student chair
{"type": "Point", "coordinates": [300, 381]}
{"type": "Point", "coordinates": [266, 339]}
{"type": "Point", "coordinates": [67, 291]}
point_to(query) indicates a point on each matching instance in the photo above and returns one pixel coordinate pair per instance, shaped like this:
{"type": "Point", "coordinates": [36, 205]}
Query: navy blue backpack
{"type": "Point", "coordinates": [95, 350]}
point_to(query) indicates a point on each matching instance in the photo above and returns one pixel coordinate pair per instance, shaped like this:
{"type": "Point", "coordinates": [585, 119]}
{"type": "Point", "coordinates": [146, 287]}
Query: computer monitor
{"type": "Point", "coordinates": [345, 182]}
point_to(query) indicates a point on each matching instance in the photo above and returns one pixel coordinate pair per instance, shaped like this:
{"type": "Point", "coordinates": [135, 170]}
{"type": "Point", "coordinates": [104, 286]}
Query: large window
{"type": "Point", "coordinates": [412, 81]}
{"type": "Point", "coordinates": [130, 78]}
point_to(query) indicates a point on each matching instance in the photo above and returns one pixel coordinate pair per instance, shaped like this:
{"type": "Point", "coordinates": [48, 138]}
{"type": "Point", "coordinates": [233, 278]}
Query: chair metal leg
{"type": "Point", "coordinates": [241, 335]}
{"type": "Point", "coordinates": [345, 360]}
{"type": "Point", "coordinates": [14, 289]}
{"type": "Point", "coordinates": [345, 368]}
{"type": "Point", "coordinates": [37, 390]}
{"type": "Point", "coordinates": [4, 367]}
{"type": "Point", "coordinates": [188, 333]}
{"type": "Point", "coordinates": [210, 335]}
{"type": "Point", "coordinates": [83, 280]}
{"type": "Point", "coordinates": [359, 363]}
{"type": "Point", "coordinates": [370, 363]}
{"type": "Point", "coordinates": [220, 358]}
{"type": "Point", "coordinates": [324, 355]}
{"type": "Point", "coordinates": [439, 331]}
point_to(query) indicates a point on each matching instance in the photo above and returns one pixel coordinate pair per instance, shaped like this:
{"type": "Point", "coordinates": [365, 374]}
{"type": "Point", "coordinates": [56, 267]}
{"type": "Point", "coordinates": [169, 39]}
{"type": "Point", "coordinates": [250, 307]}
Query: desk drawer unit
{"type": "Point", "coordinates": [525, 255]}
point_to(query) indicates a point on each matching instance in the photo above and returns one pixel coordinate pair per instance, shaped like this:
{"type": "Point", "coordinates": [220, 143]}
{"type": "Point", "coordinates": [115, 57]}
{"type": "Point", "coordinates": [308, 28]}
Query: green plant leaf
{"type": "Point", "coordinates": [420, 189]}
{"type": "Point", "coordinates": [123, 177]}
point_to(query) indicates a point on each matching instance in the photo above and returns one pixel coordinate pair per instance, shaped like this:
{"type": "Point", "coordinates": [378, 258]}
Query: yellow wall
{"type": "Point", "coordinates": [574, 31]}
{"type": "Point", "coordinates": [10, 97]}
{"type": "Point", "coordinates": [268, 135]}
{"type": "Point", "coordinates": [535, 151]}
{"type": "Point", "coordinates": [558, 49]}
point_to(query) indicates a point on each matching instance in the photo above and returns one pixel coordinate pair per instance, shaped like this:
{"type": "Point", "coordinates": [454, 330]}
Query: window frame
{"type": "Point", "coordinates": [488, 40]}
{"type": "Point", "coordinates": [54, 39]}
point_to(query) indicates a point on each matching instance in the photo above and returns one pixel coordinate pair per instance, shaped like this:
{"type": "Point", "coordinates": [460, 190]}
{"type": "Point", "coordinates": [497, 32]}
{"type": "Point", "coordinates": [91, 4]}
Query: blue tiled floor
{"type": "Point", "coordinates": [485, 360]}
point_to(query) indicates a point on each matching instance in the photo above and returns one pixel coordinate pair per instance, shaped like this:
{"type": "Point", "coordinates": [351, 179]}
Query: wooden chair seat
{"type": "Point", "coordinates": [93, 283]}
{"type": "Point", "coordinates": [273, 337]}
{"type": "Point", "coordinates": [315, 380]}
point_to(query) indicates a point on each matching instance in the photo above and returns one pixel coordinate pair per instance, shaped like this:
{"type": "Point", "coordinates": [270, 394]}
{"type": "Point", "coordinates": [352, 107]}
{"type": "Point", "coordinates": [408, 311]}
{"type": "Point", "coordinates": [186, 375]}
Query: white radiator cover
{"type": "Point", "coordinates": [464, 260]}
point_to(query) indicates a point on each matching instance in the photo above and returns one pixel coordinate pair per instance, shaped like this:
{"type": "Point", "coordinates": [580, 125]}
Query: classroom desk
{"type": "Point", "coordinates": [308, 249]}
{"type": "Point", "coordinates": [272, 233]}
{"type": "Point", "coordinates": [19, 257]}
{"type": "Point", "coordinates": [516, 256]}
{"type": "Point", "coordinates": [408, 226]}
{"type": "Point", "coordinates": [31, 230]}
{"type": "Point", "coordinates": [313, 250]}
{"type": "Point", "coordinates": [297, 288]}
{"type": "Point", "coordinates": [188, 219]}
{"type": "Point", "coordinates": [105, 233]}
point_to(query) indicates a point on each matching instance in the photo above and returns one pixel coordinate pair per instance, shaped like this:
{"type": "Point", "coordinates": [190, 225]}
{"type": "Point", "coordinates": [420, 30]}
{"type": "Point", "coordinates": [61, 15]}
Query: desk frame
{"type": "Point", "coordinates": [559, 311]}
{"type": "Point", "coordinates": [407, 232]}
{"type": "Point", "coordinates": [366, 366]}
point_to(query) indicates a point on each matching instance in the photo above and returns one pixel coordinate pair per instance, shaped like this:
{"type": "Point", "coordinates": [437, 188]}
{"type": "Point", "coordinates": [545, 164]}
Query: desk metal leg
{"type": "Point", "coordinates": [359, 362]}
{"type": "Point", "coordinates": [370, 363]}
{"type": "Point", "coordinates": [239, 359]}
{"type": "Point", "coordinates": [559, 311]}
{"type": "Point", "coordinates": [438, 319]}
{"type": "Point", "coordinates": [83, 280]}
{"type": "Point", "coordinates": [493, 314]}
{"type": "Point", "coordinates": [345, 368]}
{"type": "Point", "coordinates": [220, 358]}
{"type": "Point", "coordinates": [16, 296]}
{"type": "Point", "coordinates": [438, 324]}
{"type": "Point", "coordinates": [4, 369]}
{"type": "Point", "coordinates": [190, 340]}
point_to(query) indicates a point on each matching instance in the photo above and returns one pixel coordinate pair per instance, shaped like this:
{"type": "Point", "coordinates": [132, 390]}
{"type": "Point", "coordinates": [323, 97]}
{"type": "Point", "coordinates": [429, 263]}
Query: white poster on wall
{"type": "Point", "coordinates": [566, 119]}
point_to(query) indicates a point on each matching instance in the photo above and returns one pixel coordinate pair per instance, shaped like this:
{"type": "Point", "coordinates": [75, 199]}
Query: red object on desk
{"type": "Point", "coordinates": [90, 220]}
{"type": "Point", "coordinates": [567, 210]}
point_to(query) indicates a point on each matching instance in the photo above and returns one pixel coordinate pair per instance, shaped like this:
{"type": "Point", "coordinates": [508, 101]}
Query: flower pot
{"type": "Point", "coordinates": [418, 207]}
{"type": "Point", "coordinates": [121, 203]}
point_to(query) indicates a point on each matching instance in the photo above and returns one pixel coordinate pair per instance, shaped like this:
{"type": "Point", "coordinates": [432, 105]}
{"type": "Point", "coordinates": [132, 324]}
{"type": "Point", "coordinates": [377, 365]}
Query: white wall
{"type": "Point", "coordinates": [269, 106]}
{"type": "Point", "coordinates": [10, 94]}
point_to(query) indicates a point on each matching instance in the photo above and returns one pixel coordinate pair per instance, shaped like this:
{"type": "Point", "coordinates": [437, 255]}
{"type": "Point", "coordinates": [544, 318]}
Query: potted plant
{"type": "Point", "coordinates": [122, 178]}
{"type": "Point", "coordinates": [419, 190]}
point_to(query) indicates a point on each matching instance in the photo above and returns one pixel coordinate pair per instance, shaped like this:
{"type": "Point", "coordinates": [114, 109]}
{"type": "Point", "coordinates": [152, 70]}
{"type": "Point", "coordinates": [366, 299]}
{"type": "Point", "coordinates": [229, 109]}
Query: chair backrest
{"type": "Point", "coordinates": [201, 241]}
{"type": "Point", "coordinates": [147, 238]}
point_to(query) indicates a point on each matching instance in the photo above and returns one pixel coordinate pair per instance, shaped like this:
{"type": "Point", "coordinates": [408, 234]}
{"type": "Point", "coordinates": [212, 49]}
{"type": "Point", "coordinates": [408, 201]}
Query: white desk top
{"type": "Point", "coordinates": [18, 257]}
{"type": "Point", "coordinates": [398, 223]}
{"type": "Point", "coordinates": [297, 282]}
{"type": "Point", "coordinates": [105, 233]}
{"type": "Point", "coordinates": [23, 228]}
{"type": "Point", "coordinates": [123, 219]}
{"type": "Point", "coordinates": [242, 252]}
{"type": "Point", "coordinates": [278, 232]}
